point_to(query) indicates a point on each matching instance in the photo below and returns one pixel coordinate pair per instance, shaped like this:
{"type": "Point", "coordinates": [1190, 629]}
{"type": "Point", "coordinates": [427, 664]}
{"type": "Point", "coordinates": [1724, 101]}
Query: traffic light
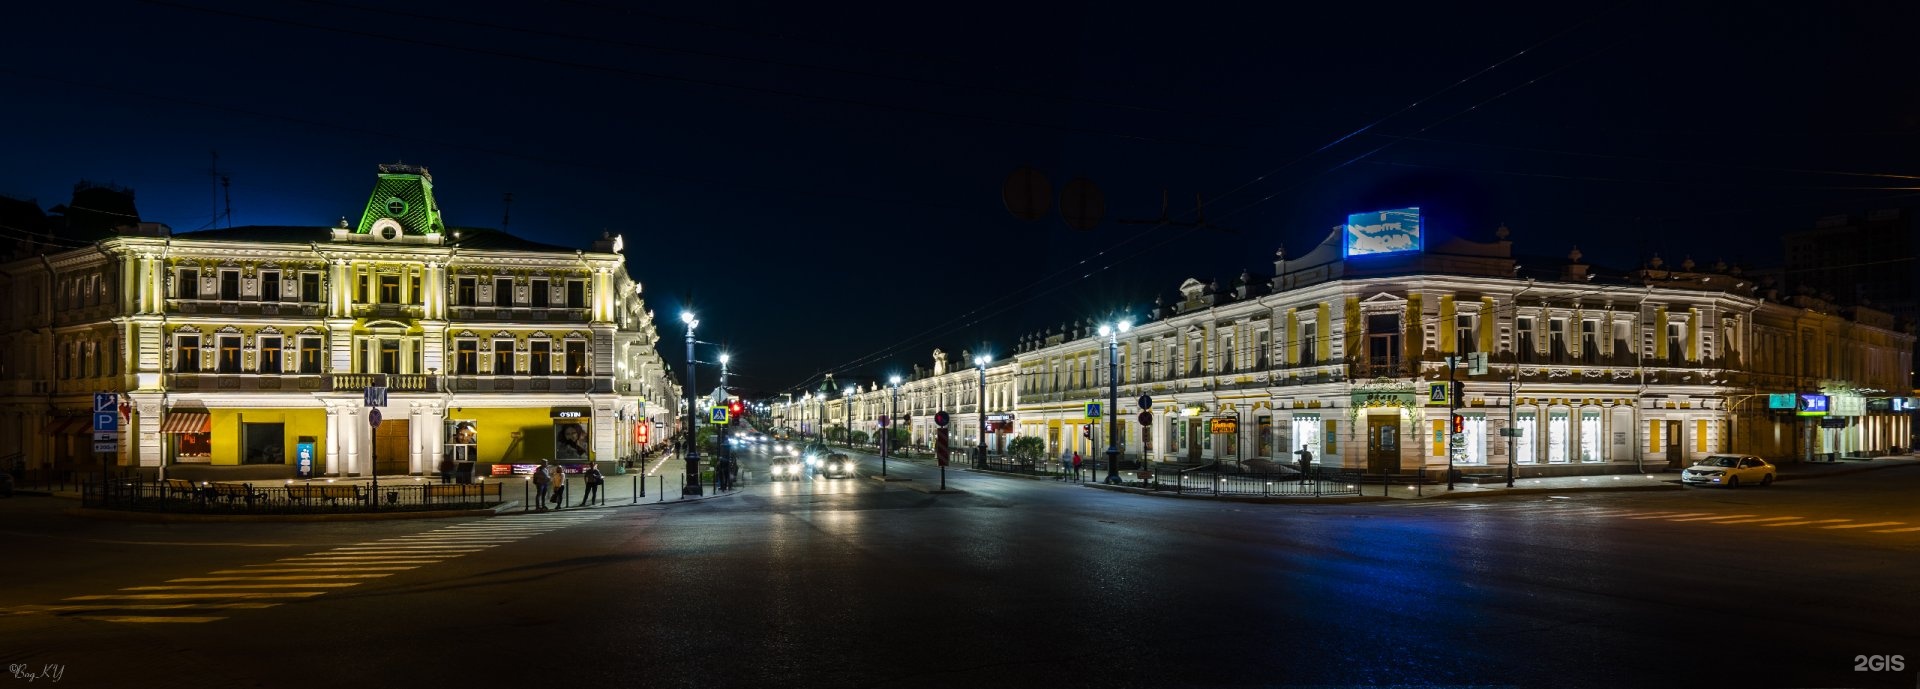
{"type": "Point", "coordinates": [736, 409]}
{"type": "Point", "coordinates": [1459, 393]}
{"type": "Point", "coordinates": [1459, 423]}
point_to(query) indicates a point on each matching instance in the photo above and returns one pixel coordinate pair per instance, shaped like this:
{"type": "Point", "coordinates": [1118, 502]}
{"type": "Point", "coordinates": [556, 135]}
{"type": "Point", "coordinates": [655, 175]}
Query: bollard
{"type": "Point", "coordinates": [662, 492]}
{"type": "Point", "coordinates": [523, 496]}
{"type": "Point", "coordinates": [636, 490]}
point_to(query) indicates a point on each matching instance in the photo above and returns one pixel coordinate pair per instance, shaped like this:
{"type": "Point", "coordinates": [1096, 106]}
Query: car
{"type": "Point", "coordinates": [1729, 471]}
{"type": "Point", "coordinates": [837, 465]}
{"type": "Point", "coordinates": [786, 469]}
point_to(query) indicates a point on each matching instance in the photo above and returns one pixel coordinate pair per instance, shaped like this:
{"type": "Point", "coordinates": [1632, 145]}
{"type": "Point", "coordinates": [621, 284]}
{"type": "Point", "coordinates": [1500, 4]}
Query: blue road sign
{"type": "Point", "coordinates": [107, 421]}
{"type": "Point", "coordinates": [376, 396]}
{"type": "Point", "coordinates": [106, 402]}
{"type": "Point", "coordinates": [1093, 410]}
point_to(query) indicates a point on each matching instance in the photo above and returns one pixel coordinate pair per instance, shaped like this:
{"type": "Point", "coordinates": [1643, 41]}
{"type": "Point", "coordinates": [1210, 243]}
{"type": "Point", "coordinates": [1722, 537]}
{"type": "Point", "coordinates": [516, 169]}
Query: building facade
{"type": "Point", "coordinates": [255, 345]}
{"type": "Point", "coordinates": [1347, 356]}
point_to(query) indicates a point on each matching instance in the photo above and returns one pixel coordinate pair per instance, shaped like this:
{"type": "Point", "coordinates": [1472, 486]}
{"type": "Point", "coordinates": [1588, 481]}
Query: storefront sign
{"type": "Point", "coordinates": [514, 469]}
{"type": "Point", "coordinates": [1402, 400]}
{"type": "Point", "coordinates": [1223, 424]}
{"type": "Point", "coordinates": [1780, 400]}
{"type": "Point", "coordinates": [303, 460]}
{"type": "Point", "coordinates": [1847, 405]}
{"type": "Point", "coordinates": [1811, 405]}
{"type": "Point", "coordinates": [1834, 422]}
{"type": "Point", "coordinates": [572, 412]}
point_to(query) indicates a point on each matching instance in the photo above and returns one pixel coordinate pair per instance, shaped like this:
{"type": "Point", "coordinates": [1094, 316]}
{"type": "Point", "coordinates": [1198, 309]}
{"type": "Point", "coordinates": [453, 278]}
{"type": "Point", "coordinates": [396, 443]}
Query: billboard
{"type": "Point", "coordinates": [1383, 232]}
{"type": "Point", "coordinates": [1812, 405]}
{"type": "Point", "coordinates": [1780, 400]}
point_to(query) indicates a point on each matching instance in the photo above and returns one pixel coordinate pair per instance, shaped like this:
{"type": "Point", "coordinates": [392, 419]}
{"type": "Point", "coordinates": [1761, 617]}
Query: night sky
{"type": "Point", "coordinates": [825, 182]}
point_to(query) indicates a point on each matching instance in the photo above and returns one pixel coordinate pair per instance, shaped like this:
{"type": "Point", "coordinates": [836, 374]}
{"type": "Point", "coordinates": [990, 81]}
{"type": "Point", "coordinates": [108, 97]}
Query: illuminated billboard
{"type": "Point", "coordinates": [1383, 232]}
{"type": "Point", "coordinates": [1812, 405]}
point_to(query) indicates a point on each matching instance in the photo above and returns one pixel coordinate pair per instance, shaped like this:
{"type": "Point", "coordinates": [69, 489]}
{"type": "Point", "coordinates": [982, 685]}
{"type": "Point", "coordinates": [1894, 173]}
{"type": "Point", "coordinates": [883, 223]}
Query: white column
{"type": "Point", "coordinates": [335, 452]}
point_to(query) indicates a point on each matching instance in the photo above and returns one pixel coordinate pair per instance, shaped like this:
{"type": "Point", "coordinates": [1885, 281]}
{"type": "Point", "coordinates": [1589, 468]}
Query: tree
{"type": "Point", "coordinates": [1027, 448]}
{"type": "Point", "coordinates": [860, 437]}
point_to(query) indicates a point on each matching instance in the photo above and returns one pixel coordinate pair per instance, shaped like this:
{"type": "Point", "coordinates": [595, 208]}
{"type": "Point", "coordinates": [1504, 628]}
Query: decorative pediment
{"type": "Point", "coordinates": [1193, 288]}
{"type": "Point", "coordinates": [503, 334]}
{"type": "Point", "coordinates": [1384, 298]}
{"type": "Point", "coordinates": [228, 329]}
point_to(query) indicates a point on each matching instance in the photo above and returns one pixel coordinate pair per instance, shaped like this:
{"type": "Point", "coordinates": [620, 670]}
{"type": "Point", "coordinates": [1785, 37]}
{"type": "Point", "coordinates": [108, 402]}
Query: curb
{"type": "Point", "coordinates": [115, 515]}
{"type": "Point", "coordinates": [1456, 495]}
{"type": "Point", "coordinates": [1267, 500]}
{"type": "Point", "coordinates": [1842, 472]}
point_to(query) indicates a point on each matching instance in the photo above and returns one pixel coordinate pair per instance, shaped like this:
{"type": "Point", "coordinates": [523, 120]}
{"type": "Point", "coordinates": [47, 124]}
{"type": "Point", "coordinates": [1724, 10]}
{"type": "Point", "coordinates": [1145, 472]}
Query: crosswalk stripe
{"type": "Point", "coordinates": [1702, 519]}
{"type": "Point", "coordinates": [1863, 526]}
{"type": "Point", "coordinates": [1669, 516]}
{"type": "Point", "coordinates": [202, 596]}
{"type": "Point", "coordinates": [142, 619]}
{"type": "Point", "coordinates": [223, 587]}
{"type": "Point", "coordinates": [1910, 528]}
{"type": "Point", "coordinates": [24, 609]}
{"type": "Point", "coordinates": [188, 580]}
{"type": "Point", "coordinates": [324, 568]}
{"type": "Point", "coordinates": [1809, 521]}
{"type": "Point", "coordinates": [1755, 521]}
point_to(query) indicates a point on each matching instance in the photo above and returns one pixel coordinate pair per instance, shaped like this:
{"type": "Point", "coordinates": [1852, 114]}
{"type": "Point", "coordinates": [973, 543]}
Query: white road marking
{"type": "Point", "coordinates": [1701, 519]}
{"type": "Point", "coordinates": [1862, 526]}
{"type": "Point", "coordinates": [1657, 515]}
{"type": "Point", "coordinates": [223, 587]}
{"type": "Point", "coordinates": [1809, 521]}
{"type": "Point", "coordinates": [296, 577]}
{"type": "Point", "coordinates": [140, 619]}
{"type": "Point", "coordinates": [1755, 521]}
{"type": "Point", "coordinates": [1910, 528]}
{"type": "Point", "coordinates": [203, 596]}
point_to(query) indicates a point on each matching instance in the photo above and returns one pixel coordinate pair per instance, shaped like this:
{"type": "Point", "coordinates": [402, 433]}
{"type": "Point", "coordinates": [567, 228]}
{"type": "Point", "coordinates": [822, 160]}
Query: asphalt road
{"type": "Point", "coordinates": [856, 583]}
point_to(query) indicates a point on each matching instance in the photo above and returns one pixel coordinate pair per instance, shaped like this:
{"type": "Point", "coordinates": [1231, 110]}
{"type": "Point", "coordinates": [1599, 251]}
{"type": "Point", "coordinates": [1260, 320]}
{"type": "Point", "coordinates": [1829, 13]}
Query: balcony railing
{"type": "Point", "coordinates": [395, 382]}
{"type": "Point", "coordinates": [516, 313]}
{"type": "Point", "coordinates": [246, 382]}
{"type": "Point", "coordinates": [522, 384]}
{"type": "Point", "coordinates": [247, 307]}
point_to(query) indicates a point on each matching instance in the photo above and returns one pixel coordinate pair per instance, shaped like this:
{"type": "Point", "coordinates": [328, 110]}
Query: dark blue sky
{"type": "Point", "coordinates": [825, 180]}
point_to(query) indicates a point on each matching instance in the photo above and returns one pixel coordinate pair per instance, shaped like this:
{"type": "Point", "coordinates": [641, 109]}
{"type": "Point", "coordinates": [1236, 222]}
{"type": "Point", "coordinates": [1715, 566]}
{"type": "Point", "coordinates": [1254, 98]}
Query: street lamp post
{"type": "Point", "coordinates": [980, 362]}
{"type": "Point", "coordinates": [1113, 397]}
{"type": "Point", "coordinates": [691, 486]}
{"type": "Point", "coordinates": [726, 451]}
{"type": "Point", "coordinates": [892, 418]}
{"type": "Point", "coordinates": [846, 408]}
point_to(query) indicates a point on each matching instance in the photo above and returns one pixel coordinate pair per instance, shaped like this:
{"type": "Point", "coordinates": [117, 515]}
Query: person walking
{"type": "Point", "coordinates": [559, 485]}
{"type": "Point", "coordinates": [540, 482]}
{"type": "Point", "coordinates": [1076, 466]}
{"type": "Point", "coordinates": [1306, 463]}
{"type": "Point", "coordinates": [1066, 463]}
{"type": "Point", "coordinates": [594, 481]}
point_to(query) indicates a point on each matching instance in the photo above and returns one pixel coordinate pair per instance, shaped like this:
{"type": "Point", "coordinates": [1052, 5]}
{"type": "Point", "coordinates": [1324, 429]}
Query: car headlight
{"type": "Point", "coordinates": [836, 467]}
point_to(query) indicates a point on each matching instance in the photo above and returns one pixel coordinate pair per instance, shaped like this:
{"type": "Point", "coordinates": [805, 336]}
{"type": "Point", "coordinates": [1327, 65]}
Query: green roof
{"type": "Point", "coordinates": [405, 194]}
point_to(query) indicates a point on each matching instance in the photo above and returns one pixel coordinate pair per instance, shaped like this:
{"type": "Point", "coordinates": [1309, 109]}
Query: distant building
{"type": "Point", "coordinates": [1868, 260]}
{"type": "Point", "coordinates": [1340, 352]}
{"type": "Point", "coordinates": [254, 345]}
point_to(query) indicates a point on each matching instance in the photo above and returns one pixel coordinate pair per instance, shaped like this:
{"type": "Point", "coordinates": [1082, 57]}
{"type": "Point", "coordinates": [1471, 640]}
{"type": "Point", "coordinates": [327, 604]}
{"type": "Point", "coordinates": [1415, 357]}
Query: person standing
{"type": "Point", "coordinates": [559, 485]}
{"type": "Point", "coordinates": [540, 482]}
{"type": "Point", "coordinates": [594, 480]}
{"type": "Point", "coordinates": [1076, 465]}
{"type": "Point", "coordinates": [446, 467]}
{"type": "Point", "coordinates": [1306, 463]}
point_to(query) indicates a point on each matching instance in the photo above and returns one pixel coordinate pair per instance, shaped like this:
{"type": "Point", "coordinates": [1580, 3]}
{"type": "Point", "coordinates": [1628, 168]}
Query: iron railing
{"type": "Point", "coordinates": [1217, 479]}
{"type": "Point", "coordinates": [290, 497]}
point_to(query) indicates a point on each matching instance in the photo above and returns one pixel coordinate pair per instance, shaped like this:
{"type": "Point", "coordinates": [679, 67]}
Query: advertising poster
{"type": "Point", "coordinates": [1384, 232]}
{"type": "Point", "coordinates": [572, 438]}
{"type": "Point", "coordinates": [463, 438]}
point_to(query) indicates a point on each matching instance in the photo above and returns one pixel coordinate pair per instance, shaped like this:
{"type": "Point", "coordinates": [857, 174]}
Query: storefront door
{"type": "Point", "coordinates": [1193, 440]}
{"type": "Point", "coordinates": [1383, 444]}
{"type": "Point", "coordinates": [390, 441]}
{"type": "Point", "coordinates": [1675, 451]}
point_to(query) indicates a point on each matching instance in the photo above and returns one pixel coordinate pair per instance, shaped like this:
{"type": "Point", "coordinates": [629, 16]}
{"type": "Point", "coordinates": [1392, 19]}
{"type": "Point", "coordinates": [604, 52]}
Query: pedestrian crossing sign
{"type": "Point", "coordinates": [1093, 410]}
{"type": "Point", "coordinates": [718, 416]}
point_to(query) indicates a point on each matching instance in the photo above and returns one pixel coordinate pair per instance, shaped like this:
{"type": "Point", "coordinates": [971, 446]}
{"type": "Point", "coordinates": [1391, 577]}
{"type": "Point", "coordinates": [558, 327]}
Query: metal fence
{"type": "Point", "coordinates": [292, 497]}
{"type": "Point", "coordinates": [1320, 482]}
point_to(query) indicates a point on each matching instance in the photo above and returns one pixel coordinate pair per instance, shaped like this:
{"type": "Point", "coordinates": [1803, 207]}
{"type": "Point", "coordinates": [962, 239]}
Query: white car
{"type": "Point", "coordinates": [1729, 471]}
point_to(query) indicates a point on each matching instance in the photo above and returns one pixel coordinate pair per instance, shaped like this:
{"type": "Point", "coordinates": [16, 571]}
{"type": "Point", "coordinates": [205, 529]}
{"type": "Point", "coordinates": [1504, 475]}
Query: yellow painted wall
{"type": "Point", "coordinates": [298, 422]}
{"type": "Point", "coordinates": [1486, 324]}
{"type": "Point", "coordinates": [498, 426]}
{"type": "Point", "coordinates": [1446, 325]}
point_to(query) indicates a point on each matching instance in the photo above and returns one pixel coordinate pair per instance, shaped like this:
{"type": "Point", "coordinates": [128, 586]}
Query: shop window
{"type": "Point", "coordinates": [1590, 436]}
{"type": "Point", "coordinates": [1524, 447]}
{"type": "Point", "coordinates": [1306, 433]}
{"type": "Point", "coordinates": [1559, 430]}
{"type": "Point", "coordinates": [263, 443]}
{"type": "Point", "coordinates": [1264, 426]}
{"type": "Point", "coordinates": [1476, 439]}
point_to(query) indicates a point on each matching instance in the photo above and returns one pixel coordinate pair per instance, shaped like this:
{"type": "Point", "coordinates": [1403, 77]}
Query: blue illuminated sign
{"type": "Point", "coordinates": [1384, 232]}
{"type": "Point", "coordinates": [1812, 405]}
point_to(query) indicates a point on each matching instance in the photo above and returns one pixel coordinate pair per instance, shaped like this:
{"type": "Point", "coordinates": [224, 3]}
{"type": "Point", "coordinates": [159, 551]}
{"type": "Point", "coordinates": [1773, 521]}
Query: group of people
{"type": "Point", "coordinates": [1069, 461]}
{"type": "Point", "coordinates": [550, 476]}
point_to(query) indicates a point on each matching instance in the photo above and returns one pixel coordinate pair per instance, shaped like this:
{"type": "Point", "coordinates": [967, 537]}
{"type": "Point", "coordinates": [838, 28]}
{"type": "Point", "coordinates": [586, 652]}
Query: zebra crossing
{"type": "Point", "coordinates": [207, 598]}
{"type": "Point", "coordinates": [1555, 508]}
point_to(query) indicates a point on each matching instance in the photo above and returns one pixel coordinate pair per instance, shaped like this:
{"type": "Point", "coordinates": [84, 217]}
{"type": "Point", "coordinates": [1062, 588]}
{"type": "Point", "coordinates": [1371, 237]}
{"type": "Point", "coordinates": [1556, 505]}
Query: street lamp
{"type": "Point", "coordinates": [846, 408]}
{"type": "Point", "coordinates": [1112, 334]}
{"type": "Point", "coordinates": [691, 486]}
{"type": "Point", "coordinates": [726, 451]}
{"type": "Point", "coordinates": [980, 362]}
{"type": "Point", "coordinates": [892, 418]}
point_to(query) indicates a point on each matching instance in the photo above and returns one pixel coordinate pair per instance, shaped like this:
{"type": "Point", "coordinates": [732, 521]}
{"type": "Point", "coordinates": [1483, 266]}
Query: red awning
{"type": "Point", "coordinates": [187, 422]}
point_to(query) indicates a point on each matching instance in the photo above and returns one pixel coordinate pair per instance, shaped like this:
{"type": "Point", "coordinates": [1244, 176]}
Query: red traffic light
{"type": "Point", "coordinates": [736, 408]}
{"type": "Point", "coordinates": [1459, 423]}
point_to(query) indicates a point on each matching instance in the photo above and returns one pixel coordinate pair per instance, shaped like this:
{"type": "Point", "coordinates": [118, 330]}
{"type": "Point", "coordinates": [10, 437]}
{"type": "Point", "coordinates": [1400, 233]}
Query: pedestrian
{"type": "Point", "coordinates": [594, 480]}
{"type": "Point", "coordinates": [1306, 463]}
{"type": "Point", "coordinates": [1076, 465]}
{"type": "Point", "coordinates": [446, 467]}
{"type": "Point", "coordinates": [559, 485]}
{"type": "Point", "coordinates": [540, 482]}
{"type": "Point", "coordinates": [1066, 463]}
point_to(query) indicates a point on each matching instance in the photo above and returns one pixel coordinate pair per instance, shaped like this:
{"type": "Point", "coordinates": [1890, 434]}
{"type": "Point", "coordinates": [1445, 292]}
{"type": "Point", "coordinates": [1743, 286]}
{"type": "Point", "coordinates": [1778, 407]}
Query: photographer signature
{"type": "Point", "coordinates": [49, 672]}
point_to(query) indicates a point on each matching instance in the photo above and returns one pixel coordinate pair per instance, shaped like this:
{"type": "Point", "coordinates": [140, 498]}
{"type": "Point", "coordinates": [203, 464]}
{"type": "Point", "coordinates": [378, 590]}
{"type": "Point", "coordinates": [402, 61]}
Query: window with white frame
{"type": "Point", "coordinates": [1590, 436]}
{"type": "Point", "coordinates": [1524, 449]}
{"type": "Point", "coordinates": [1559, 432]}
{"type": "Point", "coordinates": [1306, 433]}
{"type": "Point", "coordinates": [1476, 437]}
{"type": "Point", "coordinates": [1463, 337]}
{"type": "Point", "coordinates": [269, 360]}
